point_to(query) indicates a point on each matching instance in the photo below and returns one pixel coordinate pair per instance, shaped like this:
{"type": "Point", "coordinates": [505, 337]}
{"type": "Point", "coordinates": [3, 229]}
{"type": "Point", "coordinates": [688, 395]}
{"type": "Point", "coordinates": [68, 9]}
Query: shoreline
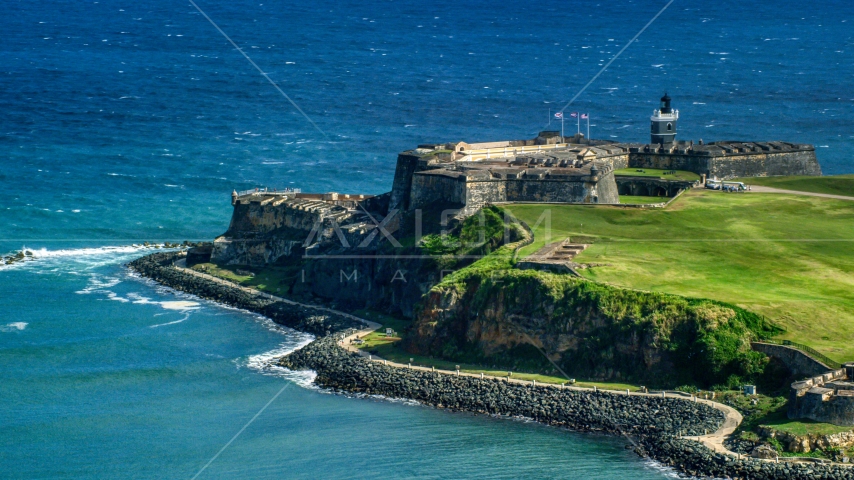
{"type": "Point", "coordinates": [658, 430]}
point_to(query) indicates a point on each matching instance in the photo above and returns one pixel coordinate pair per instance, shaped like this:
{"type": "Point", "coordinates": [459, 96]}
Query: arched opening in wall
{"type": "Point", "coordinates": [669, 127]}
{"type": "Point", "coordinates": [625, 189]}
{"type": "Point", "coordinates": [658, 192]}
{"type": "Point", "coordinates": [595, 199]}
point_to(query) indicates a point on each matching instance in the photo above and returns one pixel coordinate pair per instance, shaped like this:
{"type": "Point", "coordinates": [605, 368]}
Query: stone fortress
{"type": "Point", "coordinates": [458, 176]}
{"type": "Point", "coordinates": [555, 169]}
{"type": "Point", "coordinates": [828, 397]}
{"type": "Point", "coordinates": [466, 176]}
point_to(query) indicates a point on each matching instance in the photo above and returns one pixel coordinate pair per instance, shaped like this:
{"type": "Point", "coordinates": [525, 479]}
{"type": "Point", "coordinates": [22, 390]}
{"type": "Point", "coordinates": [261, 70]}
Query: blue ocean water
{"type": "Point", "coordinates": [123, 122]}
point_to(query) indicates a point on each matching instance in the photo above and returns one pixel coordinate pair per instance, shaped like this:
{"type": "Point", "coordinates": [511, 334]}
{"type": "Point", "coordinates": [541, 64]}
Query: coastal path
{"type": "Point", "coordinates": [714, 440]}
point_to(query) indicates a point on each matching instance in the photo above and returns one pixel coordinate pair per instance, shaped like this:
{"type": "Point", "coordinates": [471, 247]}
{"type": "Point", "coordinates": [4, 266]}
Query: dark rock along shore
{"type": "Point", "coordinates": [655, 422]}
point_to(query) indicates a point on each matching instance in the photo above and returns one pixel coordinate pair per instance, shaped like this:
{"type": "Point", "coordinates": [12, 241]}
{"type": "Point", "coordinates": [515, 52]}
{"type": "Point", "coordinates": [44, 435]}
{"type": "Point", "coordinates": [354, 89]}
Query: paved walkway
{"type": "Point", "coordinates": [760, 189]}
{"type": "Point", "coordinates": [714, 441]}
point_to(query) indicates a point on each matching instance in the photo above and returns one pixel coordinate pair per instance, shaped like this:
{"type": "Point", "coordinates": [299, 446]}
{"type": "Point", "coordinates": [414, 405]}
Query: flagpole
{"type": "Point", "coordinates": [578, 119]}
{"type": "Point", "coordinates": [561, 128]}
{"type": "Point", "coordinates": [588, 128]}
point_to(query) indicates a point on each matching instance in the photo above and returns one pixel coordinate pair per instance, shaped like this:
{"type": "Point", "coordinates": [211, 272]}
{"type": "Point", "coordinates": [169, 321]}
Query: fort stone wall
{"type": "Point", "coordinates": [618, 161]}
{"type": "Point", "coordinates": [482, 192]}
{"type": "Point", "coordinates": [690, 163]}
{"type": "Point", "coordinates": [749, 164]}
{"type": "Point", "coordinates": [445, 187]}
{"type": "Point", "coordinates": [401, 189]}
{"type": "Point", "coordinates": [553, 191]}
{"type": "Point", "coordinates": [825, 398]}
{"type": "Point", "coordinates": [798, 362]}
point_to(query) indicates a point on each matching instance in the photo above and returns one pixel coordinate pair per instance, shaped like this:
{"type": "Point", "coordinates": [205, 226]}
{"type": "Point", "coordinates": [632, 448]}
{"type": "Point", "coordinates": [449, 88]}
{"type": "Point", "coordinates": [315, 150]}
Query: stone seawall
{"type": "Point", "coordinates": [698, 461]}
{"type": "Point", "coordinates": [158, 267]}
{"type": "Point", "coordinates": [579, 410]}
{"type": "Point", "coordinates": [654, 421]}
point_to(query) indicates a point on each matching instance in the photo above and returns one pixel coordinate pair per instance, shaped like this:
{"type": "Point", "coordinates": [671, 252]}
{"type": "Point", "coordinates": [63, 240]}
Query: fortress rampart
{"type": "Point", "coordinates": [825, 398]}
{"type": "Point", "coordinates": [268, 225]}
{"type": "Point", "coordinates": [726, 160]}
{"type": "Point", "coordinates": [553, 169]}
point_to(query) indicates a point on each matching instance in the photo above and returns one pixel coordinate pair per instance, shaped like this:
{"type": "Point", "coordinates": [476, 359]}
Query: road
{"type": "Point", "coordinates": [759, 189]}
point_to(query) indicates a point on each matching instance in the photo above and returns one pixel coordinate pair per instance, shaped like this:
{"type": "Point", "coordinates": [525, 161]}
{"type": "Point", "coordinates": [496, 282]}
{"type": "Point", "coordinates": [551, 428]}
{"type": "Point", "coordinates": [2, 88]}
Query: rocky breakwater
{"type": "Point", "coordinates": [159, 267]}
{"type": "Point", "coordinates": [696, 460]}
{"type": "Point", "coordinates": [608, 412]}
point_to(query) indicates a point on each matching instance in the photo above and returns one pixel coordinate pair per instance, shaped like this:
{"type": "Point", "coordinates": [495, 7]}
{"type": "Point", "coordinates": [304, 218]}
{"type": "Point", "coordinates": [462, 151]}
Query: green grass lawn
{"type": "Point", "coordinates": [641, 200]}
{"type": "Point", "coordinates": [833, 184]}
{"type": "Point", "coordinates": [657, 173]}
{"type": "Point", "coordinates": [273, 279]}
{"type": "Point", "coordinates": [788, 257]}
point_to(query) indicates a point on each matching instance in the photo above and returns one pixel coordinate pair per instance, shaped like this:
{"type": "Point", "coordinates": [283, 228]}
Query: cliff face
{"type": "Point", "coordinates": [267, 227]}
{"type": "Point", "coordinates": [589, 330]}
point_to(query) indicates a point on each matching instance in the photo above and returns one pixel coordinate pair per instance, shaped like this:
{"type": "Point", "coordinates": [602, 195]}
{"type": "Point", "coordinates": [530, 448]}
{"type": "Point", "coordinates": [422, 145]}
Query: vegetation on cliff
{"type": "Point", "coordinates": [490, 312]}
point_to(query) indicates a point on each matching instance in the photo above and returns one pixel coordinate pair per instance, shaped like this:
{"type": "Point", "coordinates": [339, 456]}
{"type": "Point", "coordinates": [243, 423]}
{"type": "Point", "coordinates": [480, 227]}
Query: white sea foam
{"type": "Point", "coordinates": [182, 305]}
{"type": "Point", "coordinates": [13, 327]}
{"type": "Point", "coordinates": [265, 363]}
{"type": "Point", "coordinates": [74, 259]}
{"type": "Point", "coordinates": [187, 316]}
{"type": "Point", "coordinates": [668, 472]}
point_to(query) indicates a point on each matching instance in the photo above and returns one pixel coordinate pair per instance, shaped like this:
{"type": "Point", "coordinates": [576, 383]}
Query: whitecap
{"type": "Point", "coordinates": [171, 323]}
{"type": "Point", "coordinates": [14, 327]}
{"type": "Point", "coordinates": [266, 362]}
{"type": "Point", "coordinates": [180, 305]}
{"type": "Point", "coordinates": [88, 258]}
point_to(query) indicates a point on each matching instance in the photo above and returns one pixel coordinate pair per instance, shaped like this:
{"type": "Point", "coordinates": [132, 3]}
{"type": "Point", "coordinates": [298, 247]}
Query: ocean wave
{"type": "Point", "coordinates": [75, 259]}
{"type": "Point", "coordinates": [13, 327]}
{"type": "Point", "coordinates": [265, 363]}
{"type": "Point", "coordinates": [186, 317]}
{"type": "Point", "coordinates": [664, 470]}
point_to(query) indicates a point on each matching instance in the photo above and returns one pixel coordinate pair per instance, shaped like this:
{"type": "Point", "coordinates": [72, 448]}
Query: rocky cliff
{"type": "Point", "coordinates": [589, 330]}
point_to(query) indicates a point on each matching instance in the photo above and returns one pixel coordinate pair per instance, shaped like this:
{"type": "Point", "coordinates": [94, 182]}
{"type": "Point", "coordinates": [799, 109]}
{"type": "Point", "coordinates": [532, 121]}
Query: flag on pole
{"type": "Point", "coordinates": [585, 116]}
{"type": "Point", "coordinates": [559, 115]}
{"type": "Point", "coordinates": [574, 114]}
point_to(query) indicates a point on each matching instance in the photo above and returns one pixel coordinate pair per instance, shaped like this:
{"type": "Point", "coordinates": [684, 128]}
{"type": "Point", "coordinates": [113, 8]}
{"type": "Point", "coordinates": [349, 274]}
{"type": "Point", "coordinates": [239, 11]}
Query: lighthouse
{"type": "Point", "coordinates": [662, 123]}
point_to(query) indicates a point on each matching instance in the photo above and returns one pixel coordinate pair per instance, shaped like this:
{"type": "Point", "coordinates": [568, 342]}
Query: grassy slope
{"type": "Point", "coordinates": [783, 256]}
{"type": "Point", "coordinates": [835, 184]}
{"type": "Point", "coordinates": [640, 199]}
{"type": "Point", "coordinates": [657, 173]}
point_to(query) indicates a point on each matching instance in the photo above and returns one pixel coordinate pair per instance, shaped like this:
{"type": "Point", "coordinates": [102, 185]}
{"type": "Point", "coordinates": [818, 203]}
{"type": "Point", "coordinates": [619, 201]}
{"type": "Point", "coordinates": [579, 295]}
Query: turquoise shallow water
{"type": "Point", "coordinates": [111, 378]}
{"type": "Point", "coordinates": [131, 121]}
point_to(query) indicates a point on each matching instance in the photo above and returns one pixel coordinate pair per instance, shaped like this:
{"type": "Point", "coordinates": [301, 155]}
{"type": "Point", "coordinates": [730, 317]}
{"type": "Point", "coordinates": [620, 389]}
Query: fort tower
{"type": "Point", "coordinates": [663, 123]}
